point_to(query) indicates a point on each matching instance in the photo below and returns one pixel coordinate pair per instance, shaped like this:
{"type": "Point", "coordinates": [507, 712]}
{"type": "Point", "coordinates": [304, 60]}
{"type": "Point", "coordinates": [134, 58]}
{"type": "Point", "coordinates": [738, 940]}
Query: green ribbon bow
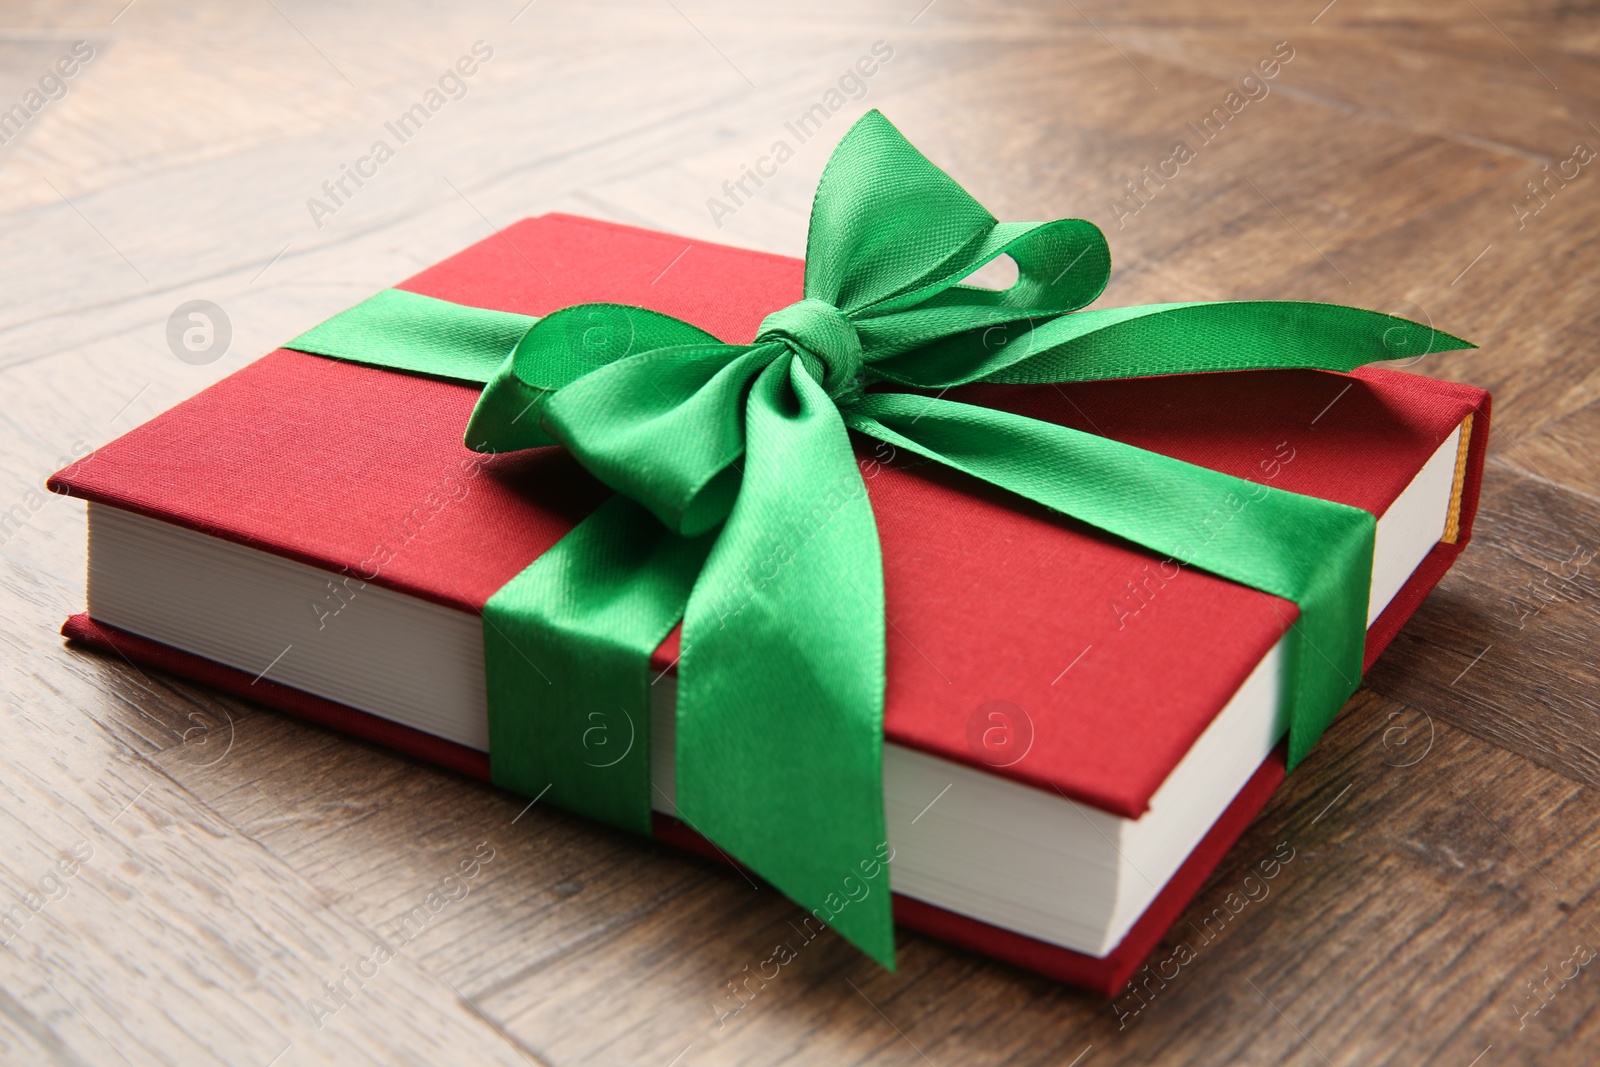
{"type": "Point", "coordinates": [741, 511]}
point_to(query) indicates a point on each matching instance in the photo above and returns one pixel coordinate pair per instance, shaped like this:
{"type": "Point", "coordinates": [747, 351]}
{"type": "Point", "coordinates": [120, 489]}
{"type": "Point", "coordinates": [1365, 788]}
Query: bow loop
{"type": "Point", "coordinates": [826, 342]}
{"type": "Point", "coordinates": [664, 427]}
{"type": "Point", "coordinates": [890, 232]}
{"type": "Point", "coordinates": [886, 221]}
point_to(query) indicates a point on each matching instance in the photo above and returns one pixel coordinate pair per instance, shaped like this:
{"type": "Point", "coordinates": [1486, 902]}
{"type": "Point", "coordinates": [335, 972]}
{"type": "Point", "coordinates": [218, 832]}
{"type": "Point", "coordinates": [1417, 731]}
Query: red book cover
{"type": "Point", "coordinates": [988, 597]}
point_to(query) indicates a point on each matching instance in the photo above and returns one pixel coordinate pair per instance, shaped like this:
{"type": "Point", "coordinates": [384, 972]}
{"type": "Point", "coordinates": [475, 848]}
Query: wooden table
{"type": "Point", "coordinates": [200, 867]}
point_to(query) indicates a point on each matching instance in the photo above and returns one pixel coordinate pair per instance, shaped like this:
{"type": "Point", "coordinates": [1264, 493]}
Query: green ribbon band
{"type": "Point", "coordinates": [741, 512]}
{"type": "Point", "coordinates": [420, 334]}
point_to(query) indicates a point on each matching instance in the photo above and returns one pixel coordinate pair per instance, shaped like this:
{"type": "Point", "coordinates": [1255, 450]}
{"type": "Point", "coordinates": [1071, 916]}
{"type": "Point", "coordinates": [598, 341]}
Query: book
{"type": "Point", "coordinates": [1076, 729]}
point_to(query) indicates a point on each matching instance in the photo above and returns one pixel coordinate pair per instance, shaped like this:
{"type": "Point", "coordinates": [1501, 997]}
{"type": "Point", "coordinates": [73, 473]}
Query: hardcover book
{"type": "Point", "coordinates": [1077, 730]}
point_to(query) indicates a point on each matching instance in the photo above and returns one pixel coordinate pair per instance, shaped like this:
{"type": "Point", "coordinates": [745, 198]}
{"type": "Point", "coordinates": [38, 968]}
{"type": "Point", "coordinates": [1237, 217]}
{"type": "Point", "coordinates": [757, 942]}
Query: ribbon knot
{"type": "Point", "coordinates": [825, 340]}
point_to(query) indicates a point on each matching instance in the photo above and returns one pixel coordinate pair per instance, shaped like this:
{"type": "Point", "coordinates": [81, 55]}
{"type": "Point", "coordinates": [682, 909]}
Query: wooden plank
{"type": "Point", "coordinates": [1444, 834]}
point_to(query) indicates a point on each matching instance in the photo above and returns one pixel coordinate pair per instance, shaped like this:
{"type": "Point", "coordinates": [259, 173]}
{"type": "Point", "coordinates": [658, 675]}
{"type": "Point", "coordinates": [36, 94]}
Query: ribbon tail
{"type": "Point", "coordinates": [780, 697]}
{"type": "Point", "coordinates": [1313, 552]}
{"type": "Point", "coordinates": [1131, 342]}
{"type": "Point", "coordinates": [567, 646]}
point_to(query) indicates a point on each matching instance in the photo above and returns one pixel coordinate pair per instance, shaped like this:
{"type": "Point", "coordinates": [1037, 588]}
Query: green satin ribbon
{"type": "Point", "coordinates": [741, 511]}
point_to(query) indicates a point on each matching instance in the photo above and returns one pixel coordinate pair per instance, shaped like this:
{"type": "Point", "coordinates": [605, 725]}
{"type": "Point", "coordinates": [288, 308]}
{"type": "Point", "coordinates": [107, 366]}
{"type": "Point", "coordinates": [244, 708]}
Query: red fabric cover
{"type": "Point", "coordinates": [988, 597]}
{"type": "Point", "coordinates": [1100, 975]}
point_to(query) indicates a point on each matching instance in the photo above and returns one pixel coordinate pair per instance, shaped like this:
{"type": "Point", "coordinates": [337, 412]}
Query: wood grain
{"type": "Point", "coordinates": [1444, 835]}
